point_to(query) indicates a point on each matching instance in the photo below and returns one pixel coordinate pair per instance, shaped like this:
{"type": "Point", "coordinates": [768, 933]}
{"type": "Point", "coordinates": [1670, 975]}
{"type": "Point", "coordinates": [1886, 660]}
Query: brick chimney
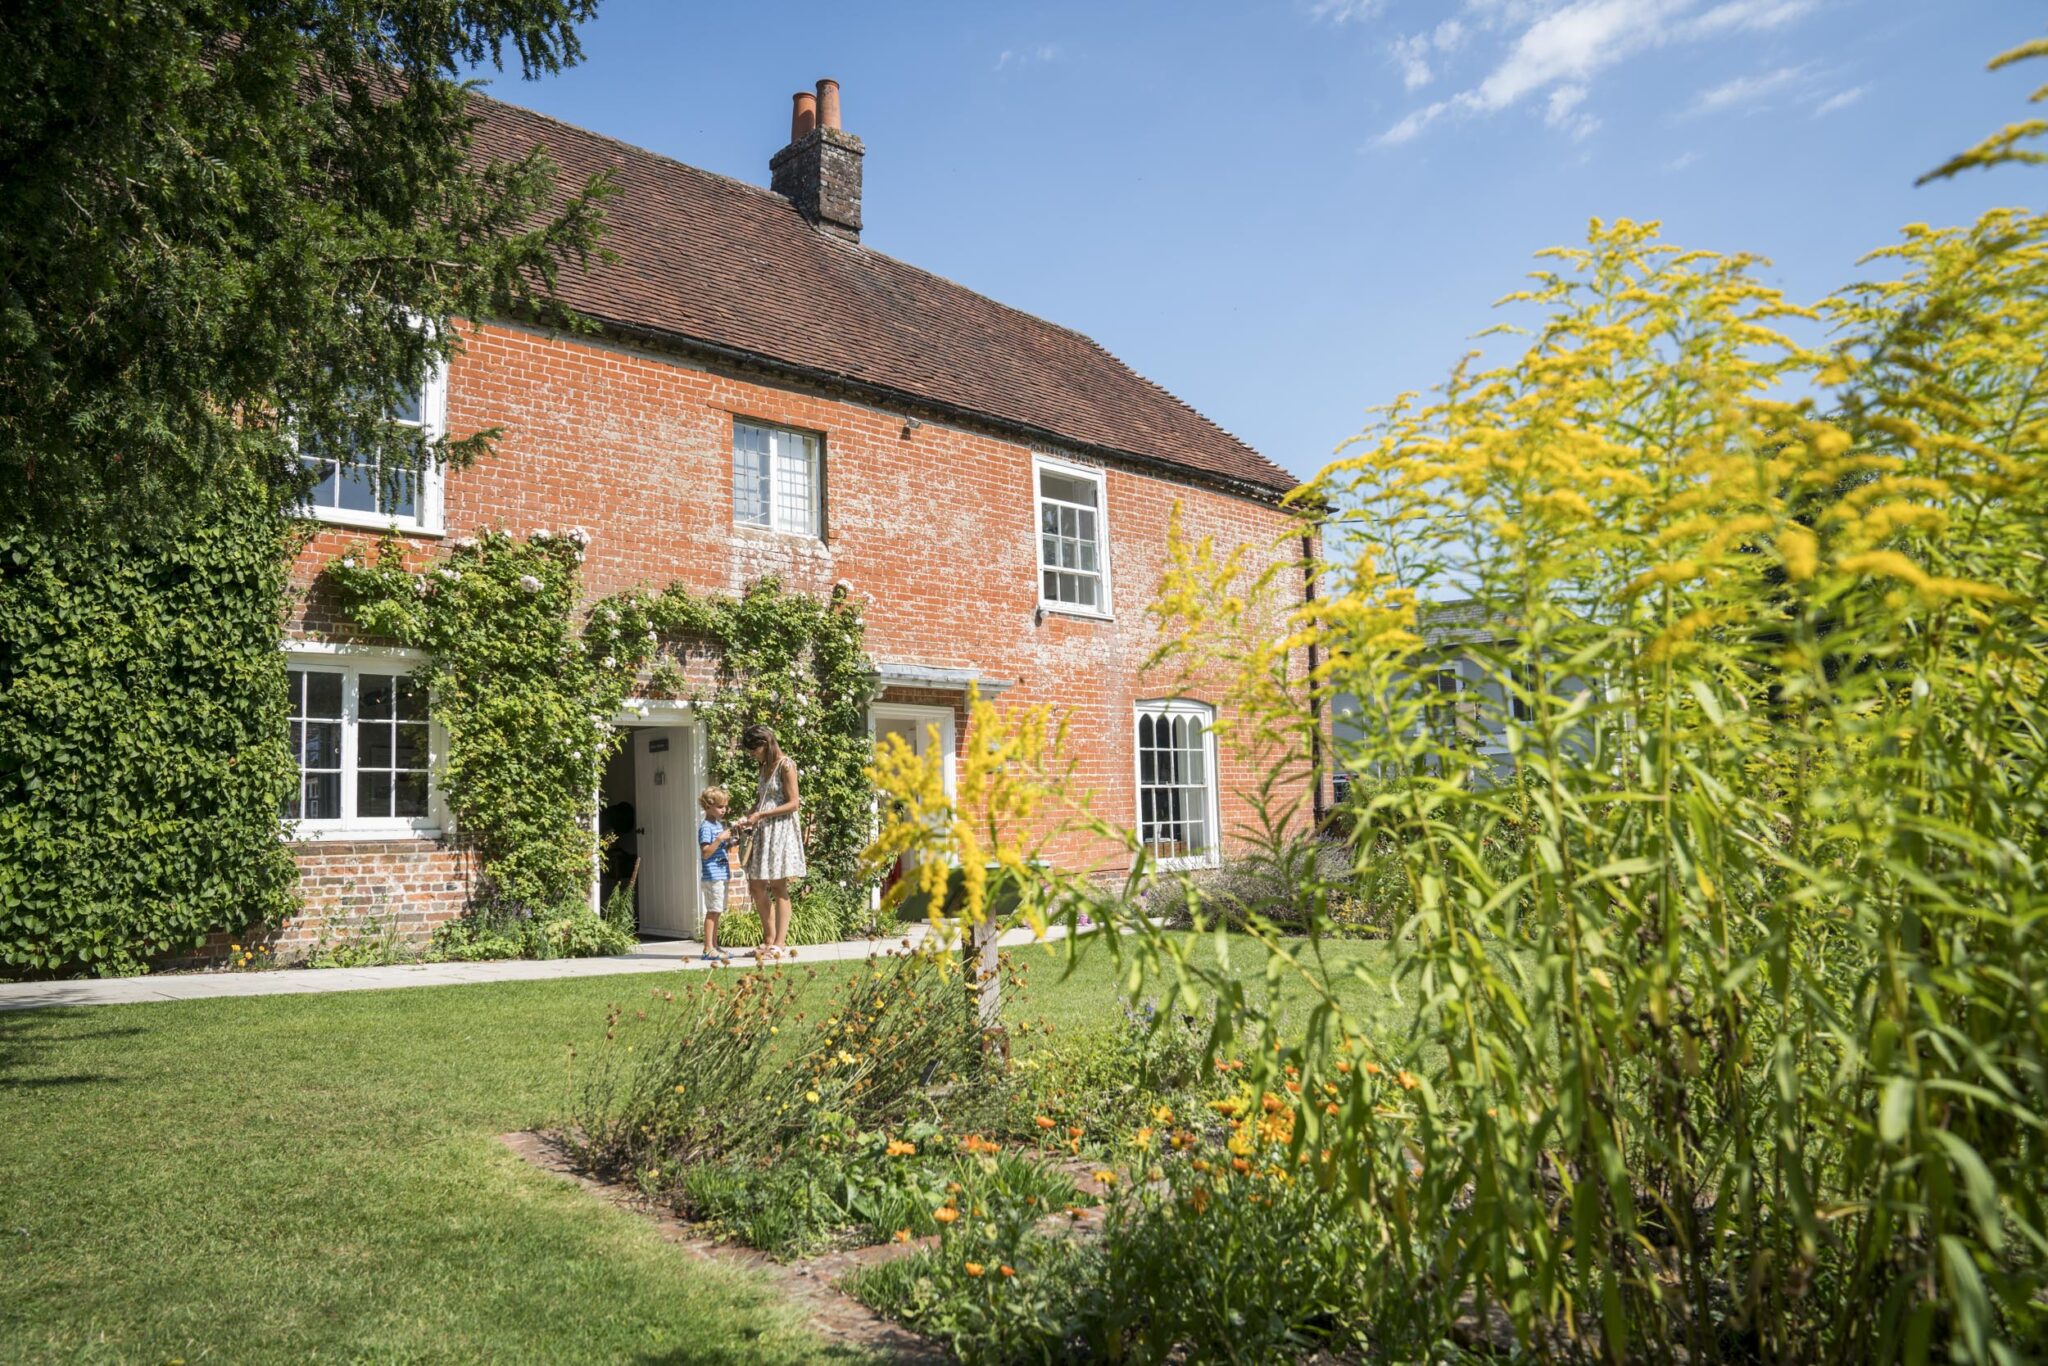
{"type": "Point", "coordinates": [819, 171]}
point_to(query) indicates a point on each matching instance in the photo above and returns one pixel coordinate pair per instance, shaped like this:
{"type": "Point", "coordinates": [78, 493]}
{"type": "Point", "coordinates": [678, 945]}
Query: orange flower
{"type": "Point", "coordinates": [945, 1214]}
{"type": "Point", "coordinates": [1270, 1101]}
{"type": "Point", "coordinates": [1331, 1108]}
{"type": "Point", "coordinates": [1239, 1165]}
{"type": "Point", "coordinates": [899, 1148]}
{"type": "Point", "coordinates": [1007, 1271]}
{"type": "Point", "coordinates": [1344, 1067]}
{"type": "Point", "coordinates": [902, 1235]}
{"type": "Point", "coordinates": [1372, 1069]}
{"type": "Point", "coordinates": [1074, 1131]}
{"type": "Point", "coordinates": [1409, 1081]}
{"type": "Point", "coordinates": [1047, 1122]}
{"type": "Point", "coordinates": [1199, 1201]}
{"type": "Point", "coordinates": [1294, 1087]}
{"type": "Point", "coordinates": [975, 1268]}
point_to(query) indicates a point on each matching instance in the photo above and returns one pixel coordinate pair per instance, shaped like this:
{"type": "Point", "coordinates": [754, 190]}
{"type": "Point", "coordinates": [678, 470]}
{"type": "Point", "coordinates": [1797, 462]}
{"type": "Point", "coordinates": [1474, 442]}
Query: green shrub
{"type": "Point", "coordinates": [143, 760]}
{"type": "Point", "coordinates": [1299, 883]}
{"type": "Point", "coordinates": [725, 1067]}
{"type": "Point", "coordinates": [1106, 1082]}
{"type": "Point", "coordinates": [1730, 1041]}
{"type": "Point", "coordinates": [959, 1294]}
{"type": "Point", "coordinates": [841, 1185]}
{"type": "Point", "coordinates": [1207, 1264]}
{"type": "Point", "coordinates": [1731, 1044]}
{"type": "Point", "coordinates": [820, 912]}
{"type": "Point", "coordinates": [369, 942]}
{"type": "Point", "coordinates": [467, 939]}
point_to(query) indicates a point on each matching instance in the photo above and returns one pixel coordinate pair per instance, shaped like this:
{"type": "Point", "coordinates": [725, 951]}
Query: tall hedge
{"type": "Point", "coordinates": [143, 738]}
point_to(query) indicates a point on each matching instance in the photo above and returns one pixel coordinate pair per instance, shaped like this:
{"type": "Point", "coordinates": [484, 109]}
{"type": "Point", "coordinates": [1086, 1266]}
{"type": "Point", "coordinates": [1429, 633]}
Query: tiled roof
{"type": "Point", "coordinates": [702, 258]}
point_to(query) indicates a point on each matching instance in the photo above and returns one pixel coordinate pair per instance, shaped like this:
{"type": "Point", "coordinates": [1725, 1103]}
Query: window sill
{"type": "Point", "coordinates": [1193, 864]}
{"type": "Point", "coordinates": [304, 833]}
{"type": "Point", "coordinates": [370, 521]}
{"type": "Point", "coordinates": [777, 533]}
{"type": "Point", "coordinates": [1065, 609]}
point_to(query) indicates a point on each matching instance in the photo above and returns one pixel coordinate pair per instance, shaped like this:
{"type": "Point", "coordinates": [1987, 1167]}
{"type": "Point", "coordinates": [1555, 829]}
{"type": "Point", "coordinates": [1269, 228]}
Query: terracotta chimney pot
{"type": "Point", "coordinates": [803, 117]}
{"type": "Point", "coordinates": [828, 104]}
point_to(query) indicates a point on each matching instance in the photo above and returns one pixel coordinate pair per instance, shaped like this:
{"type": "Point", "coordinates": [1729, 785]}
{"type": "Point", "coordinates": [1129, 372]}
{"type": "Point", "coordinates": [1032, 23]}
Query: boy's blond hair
{"type": "Point", "coordinates": [713, 796]}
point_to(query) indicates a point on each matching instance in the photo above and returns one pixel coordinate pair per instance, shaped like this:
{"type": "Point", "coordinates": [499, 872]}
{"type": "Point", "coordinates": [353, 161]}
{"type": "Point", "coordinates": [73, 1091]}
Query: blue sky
{"type": "Point", "coordinates": [1288, 212]}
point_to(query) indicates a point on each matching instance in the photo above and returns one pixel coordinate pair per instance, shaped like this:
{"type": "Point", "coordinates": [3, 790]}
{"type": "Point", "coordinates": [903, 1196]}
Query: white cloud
{"type": "Point", "coordinates": [1343, 11]}
{"type": "Point", "coordinates": [1840, 100]}
{"type": "Point", "coordinates": [1414, 123]}
{"type": "Point", "coordinates": [1681, 161]}
{"type": "Point", "coordinates": [1555, 50]}
{"type": "Point", "coordinates": [1573, 44]}
{"type": "Point", "coordinates": [1755, 15]}
{"type": "Point", "coordinates": [1411, 54]}
{"type": "Point", "coordinates": [1744, 91]}
{"type": "Point", "coordinates": [1562, 112]}
{"type": "Point", "coordinates": [1025, 56]}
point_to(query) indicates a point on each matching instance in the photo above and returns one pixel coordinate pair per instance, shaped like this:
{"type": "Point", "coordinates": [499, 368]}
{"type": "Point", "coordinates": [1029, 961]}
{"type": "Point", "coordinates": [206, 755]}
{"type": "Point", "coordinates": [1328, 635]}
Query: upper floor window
{"type": "Point", "coordinates": [777, 479]}
{"type": "Point", "coordinates": [356, 488]}
{"type": "Point", "coordinates": [360, 735]}
{"type": "Point", "coordinates": [1177, 815]}
{"type": "Point", "coordinates": [1073, 550]}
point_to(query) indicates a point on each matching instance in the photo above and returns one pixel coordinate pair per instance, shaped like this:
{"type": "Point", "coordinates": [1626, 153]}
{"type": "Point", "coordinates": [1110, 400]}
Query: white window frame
{"type": "Point", "coordinates": [352, 661]}
{"type": "Point", "coordinates": [1170, 707]}
{"type": "Point", "coordinates": [429, 520]}
{"type": "Point", "coordinates": [1095, 475]}
{"type": "Point", "coordinates": [777, 434]}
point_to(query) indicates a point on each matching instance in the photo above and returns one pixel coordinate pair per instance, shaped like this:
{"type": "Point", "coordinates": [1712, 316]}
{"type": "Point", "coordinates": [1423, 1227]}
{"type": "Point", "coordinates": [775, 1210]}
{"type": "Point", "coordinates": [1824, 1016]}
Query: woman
{"type": "Point", "coordinates": [777, 854]}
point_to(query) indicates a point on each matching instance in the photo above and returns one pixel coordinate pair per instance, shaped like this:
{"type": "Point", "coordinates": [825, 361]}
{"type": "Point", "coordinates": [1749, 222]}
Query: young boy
{"type": "Point", "coordinates": [714, 850]}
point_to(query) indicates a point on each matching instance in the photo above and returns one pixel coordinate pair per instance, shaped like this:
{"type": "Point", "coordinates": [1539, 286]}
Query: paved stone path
{"type": "Point", "coordinates": [654, 956]}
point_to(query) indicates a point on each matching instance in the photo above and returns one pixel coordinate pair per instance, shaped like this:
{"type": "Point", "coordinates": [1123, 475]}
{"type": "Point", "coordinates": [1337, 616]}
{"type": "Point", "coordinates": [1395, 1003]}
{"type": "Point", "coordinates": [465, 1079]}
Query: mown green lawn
{"type": "Point", "coordinates": [316, 1178]}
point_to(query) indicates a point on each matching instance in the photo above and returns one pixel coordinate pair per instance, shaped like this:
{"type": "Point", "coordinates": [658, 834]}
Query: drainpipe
{"type": "Point", "coordinates": [1311, 541]}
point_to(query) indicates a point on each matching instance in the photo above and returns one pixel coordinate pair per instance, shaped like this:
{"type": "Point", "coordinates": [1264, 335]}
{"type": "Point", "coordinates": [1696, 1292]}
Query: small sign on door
{"type": "Point", "coordinates": [658, 745]}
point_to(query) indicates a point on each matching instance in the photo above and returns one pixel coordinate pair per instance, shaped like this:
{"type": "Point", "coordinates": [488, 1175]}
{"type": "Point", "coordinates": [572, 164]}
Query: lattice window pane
{"type": "Point", "coordinates": [796, 478]}
{"type": "Point", "coordinates": [750, 484]}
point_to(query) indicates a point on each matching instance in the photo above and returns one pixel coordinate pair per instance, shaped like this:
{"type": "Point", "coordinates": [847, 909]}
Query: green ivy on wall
{"type": "Point", "coordinates": [527, 700]}
{"type": "Point", "coordinates": [525, 704]}
{"type": "Point", "coordinates": [790, 661]}
{"type": "Point", "coordinates": [143, 724]}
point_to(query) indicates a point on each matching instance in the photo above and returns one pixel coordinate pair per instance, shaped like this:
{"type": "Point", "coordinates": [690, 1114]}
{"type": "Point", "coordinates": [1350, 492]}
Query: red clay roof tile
{"type": "Point", "coordinates": [702, 258]}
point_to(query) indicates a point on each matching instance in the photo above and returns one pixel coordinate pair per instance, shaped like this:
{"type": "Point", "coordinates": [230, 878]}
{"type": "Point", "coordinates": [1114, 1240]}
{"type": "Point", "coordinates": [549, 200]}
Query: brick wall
{"type": "Point", "coordinates": [934, 525]}
{"type": "Point", "coordinates": [357, 888]}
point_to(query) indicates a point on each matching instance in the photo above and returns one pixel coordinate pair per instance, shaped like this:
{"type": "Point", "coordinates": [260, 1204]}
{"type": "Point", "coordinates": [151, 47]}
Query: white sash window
{"type": "Point", "coordinates": [363, 744]}
{"type": "Point", "coordinates": [777, 481]}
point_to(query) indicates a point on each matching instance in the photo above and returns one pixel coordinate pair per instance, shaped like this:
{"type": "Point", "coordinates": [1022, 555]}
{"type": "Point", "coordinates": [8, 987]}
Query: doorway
{"type": "Point", "coordinates": [920, 728]}
{"type": "Point", "coordinates": [649, 805]}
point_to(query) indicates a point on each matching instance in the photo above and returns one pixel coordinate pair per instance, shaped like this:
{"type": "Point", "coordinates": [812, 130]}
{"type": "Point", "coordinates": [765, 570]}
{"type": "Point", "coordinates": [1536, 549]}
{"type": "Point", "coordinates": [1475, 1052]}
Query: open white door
{"type": "Point", "coordinates": [667, 812]}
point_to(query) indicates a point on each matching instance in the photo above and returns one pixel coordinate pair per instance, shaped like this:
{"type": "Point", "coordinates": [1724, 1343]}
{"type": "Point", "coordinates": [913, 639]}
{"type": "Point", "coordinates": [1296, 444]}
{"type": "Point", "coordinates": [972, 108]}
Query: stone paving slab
{"type": "Point", "coordinates": [658, 956]}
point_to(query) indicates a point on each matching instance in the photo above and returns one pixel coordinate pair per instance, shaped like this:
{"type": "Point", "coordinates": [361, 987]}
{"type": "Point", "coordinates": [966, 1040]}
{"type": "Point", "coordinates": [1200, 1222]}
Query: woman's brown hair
{"type": "Point", "coordinates": [758, 734]}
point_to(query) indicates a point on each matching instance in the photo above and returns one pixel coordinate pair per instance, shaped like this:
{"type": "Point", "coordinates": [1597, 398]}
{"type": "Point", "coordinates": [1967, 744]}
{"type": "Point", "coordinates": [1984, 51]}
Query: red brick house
{"type": "Point", "coordinates": [767, 396]}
